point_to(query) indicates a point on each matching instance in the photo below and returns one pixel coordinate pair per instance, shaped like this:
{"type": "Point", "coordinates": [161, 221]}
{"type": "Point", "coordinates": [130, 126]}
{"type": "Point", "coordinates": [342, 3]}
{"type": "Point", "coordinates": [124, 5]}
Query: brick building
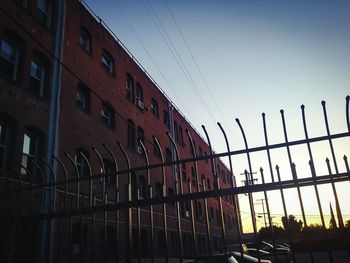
{"type": "Point", "coordinates": [105, 98]}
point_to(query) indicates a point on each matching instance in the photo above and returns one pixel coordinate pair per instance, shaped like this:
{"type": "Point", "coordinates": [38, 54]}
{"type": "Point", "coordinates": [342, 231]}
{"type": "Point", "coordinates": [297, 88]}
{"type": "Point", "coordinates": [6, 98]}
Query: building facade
{"type": "Point", "coordinates": [107, 99]}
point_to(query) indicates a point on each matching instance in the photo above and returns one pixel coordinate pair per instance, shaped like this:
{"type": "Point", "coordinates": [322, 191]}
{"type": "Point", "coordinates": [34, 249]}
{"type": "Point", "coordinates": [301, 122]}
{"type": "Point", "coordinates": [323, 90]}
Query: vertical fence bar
{"type": "Point", "coordinates": [340, 218]}
{"type": "Point", "coordinates": [77, 205]}
{"type": "Point", "coordinates": [268, 211]}
{"type": "Point", "coordinates": [292, 167]}
{"type": "Point", "coordinates": [178, 183]}
{"type": "Point", "coordinates": [83, 197]}
{"type": "Point", "coordinates": [116, 196]}
{"type": "Point", "coordinates": [151, 225]}
{"type": "Point", "coordinates": [217, 188]}
{"type": "Point", "coordinates": [339, 213]}
{"type": "Point", "coordinates": [65, 193]}
{"type": "Point", "coordinates": [165, 222]}
{"type": "Point", "coordinates": [252, 181]}
{"type": "Point", "coordinates": [239, 230]}
{"type": "Point", "coordinates": [207, 219]}
{"type": "Point", "coordinates": [193, 149]}
{"type": "Point", "coordinates": [129, 211]}
{"type": "Point", "coordinates": [104, 196]}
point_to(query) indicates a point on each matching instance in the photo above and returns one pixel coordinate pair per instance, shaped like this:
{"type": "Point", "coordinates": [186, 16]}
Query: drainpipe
{"type": "Point", "coordinates": [47, 226]}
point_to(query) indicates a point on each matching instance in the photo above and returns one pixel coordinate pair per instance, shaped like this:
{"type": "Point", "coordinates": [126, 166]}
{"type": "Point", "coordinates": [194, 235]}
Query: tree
{"type": "Point", "coordinates": [332, 223]}
{"type": "Point", "coordinates": [347, 224]}
{"type": "Point", "coordinates": [291, 224]}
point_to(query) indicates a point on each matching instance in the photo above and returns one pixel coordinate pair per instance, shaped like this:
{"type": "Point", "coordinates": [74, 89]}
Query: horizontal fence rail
{"type": "Point", "coordinates": [113, 216]}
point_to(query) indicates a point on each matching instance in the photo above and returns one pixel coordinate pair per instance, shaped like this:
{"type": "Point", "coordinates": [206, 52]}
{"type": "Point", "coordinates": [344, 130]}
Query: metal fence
{"type": "Point", "coordinates": [51, 214]}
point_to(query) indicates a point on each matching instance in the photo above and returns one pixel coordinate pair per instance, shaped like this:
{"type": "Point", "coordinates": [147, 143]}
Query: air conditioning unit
{"type": "Point", "coordinates": [187, 214]}
{"type": "Point", "coordinates": [139, 150]}
{"type": "Point", "coordinates": [140, 104]}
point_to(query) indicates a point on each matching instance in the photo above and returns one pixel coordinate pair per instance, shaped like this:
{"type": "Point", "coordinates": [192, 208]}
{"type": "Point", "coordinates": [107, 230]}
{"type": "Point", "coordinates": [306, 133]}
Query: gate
{"type": "Point", "coordinates": [77, 216]}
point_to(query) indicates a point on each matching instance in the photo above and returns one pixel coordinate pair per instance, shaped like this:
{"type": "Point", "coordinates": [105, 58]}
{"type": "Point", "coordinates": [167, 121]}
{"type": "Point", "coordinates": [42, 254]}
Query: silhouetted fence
{"type": "Point", "coordinates": [84, 217]}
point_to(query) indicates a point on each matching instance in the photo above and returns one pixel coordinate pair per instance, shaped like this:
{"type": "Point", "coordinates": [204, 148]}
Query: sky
{"type": "Point", "coordinates": [221, 60]}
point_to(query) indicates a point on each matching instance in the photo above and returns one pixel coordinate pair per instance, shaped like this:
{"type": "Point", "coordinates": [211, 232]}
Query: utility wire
{"type": "Point", "coordinates": [167, 39]}
{"type": "Point", "coordinates": [149, 55]}
{"type": "Point", "coordinates": [195, 62]}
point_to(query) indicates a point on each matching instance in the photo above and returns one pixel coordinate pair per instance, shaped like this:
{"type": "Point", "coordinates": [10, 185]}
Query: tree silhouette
{"type": "Point", "coordinates": [332, 223]}
{"type": "Point", "coordinates": [291, 224]}
{"type": "Point", "coordinates": [347, 224]}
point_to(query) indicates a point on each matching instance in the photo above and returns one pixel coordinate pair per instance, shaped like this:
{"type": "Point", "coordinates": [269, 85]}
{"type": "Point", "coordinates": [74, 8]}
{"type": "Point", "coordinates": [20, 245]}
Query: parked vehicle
{"type": "Point", "coordinates": [243, 258]}
{"type": "Point", "coordinates": [215, 258]}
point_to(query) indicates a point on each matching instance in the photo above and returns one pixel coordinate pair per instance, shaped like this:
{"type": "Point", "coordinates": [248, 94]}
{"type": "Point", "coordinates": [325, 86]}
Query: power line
{"type": "Point", "coordinates": [171, 46]}
{"type": "Point", "coordinates": [149, 55]}
{"type": "Point", "coordinates": [195, 62]}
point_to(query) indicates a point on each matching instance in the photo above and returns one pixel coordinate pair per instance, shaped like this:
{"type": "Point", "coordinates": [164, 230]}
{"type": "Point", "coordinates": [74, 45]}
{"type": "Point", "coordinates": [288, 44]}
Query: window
{"type": "Point", "coordinates": [206, 159]}
{"type": "Point", "coordinates": [9, 60]}
{"type": "Point", "coordinates": [129, 85]}
{"type": "Point", "coordinates": [107, 62]}
{"type": "Point", "coordinates": [184, 173]}
{"type": "Point", "coordinates": [139, 96]}
{"type": "Point", "coordinates": [208, 184]}
{"type": "Point", "coordinates": [202, 182]}
{"type": "Point", "coordinates": [109, 171]}
{"type": "Point", "coordinates": [217, 217]}
{"type": "Point", "coordinates": [131, 135]}
{"type": "Point", "coordinates": [192, 149]}
{"type": "Point", "coordinates": [156, 150]}
{"type": "Point", "coordinates": [31, 151]}
{"type": "Point", "coordinates": [3, 145]}
{"type": "Point", "coordinates": [83, 97]}
{"type": "Point", "coordinates": [6, 132]}
{"type": "Point", "coordinates": [24, 3]}
{"type": "Point", "coordinates": [211, 213]}
{"type": "Point", "coordinates": [81, 162]}
{"type": "Point", "coordinates": [85, 40]}
{"type": "Point", "coordinates": [38, 75]}
{"type": "Point", "coordinates": [142, 186]}
{"type": "Point", "coordinates": [154, 107]}
{"type": "Point", "coordinates": [168, 155]}
{"type": "Point", "coordinates": [166, 119]}
{"type": "Point", "coordinates": [159, 190]}
{"type": "Point", "coordinates": [176, 132]}
{"type": "Point", "coordinates": [141, 137]}
{"type": "Point", "coordinates": [44, 12]}
{"type": "Point", "coordinates": [181, 138]}
{"type": "Point", "coordinates": [107, 114]}
{"type": "Point", "coordinates": [200, 151]}
{"type": "Point", "coordinates": [199, 211]}
{"type": "Point", "coordinates": [171, 193]}
{"type": "Point", "coordinates": [193, 174]}
{"type": "Point", "coordinates": [79, 238]}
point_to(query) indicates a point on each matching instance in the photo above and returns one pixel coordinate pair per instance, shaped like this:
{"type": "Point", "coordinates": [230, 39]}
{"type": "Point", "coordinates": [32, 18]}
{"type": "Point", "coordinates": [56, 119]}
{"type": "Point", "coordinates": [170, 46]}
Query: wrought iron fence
{"type": "Point", "coordinates": [85, 219]}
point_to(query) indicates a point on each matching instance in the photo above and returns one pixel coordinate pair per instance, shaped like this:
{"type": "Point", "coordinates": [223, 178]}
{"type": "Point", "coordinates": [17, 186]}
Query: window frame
{"type": "Point", "coordinates": [14, 62]}
{"type": "Point", "coordinates": [107, 62]}
{"type": "Point", "coordinates": [129, 86]}
{"type": "Point", "coordinates": [6, 138]}
{"type": "Point", "coordinates": [80, 162]}
{"type": "Point", "coordinates": [31, 152]}
{"type": "Point", "coordinates": [154, 107]}
{"type": "Point", "coordinates": [131, 135]}
{"type": "Point", "coordinates": [107, 114]}
{"type": "Point", "coordinates": [85, 40]}
{"type": "Point", "coordinates": [82, 101]}
{"type": "Point", "coordinates": [44, 15]}
{"type": "Point", "coordinates": [42, 65]}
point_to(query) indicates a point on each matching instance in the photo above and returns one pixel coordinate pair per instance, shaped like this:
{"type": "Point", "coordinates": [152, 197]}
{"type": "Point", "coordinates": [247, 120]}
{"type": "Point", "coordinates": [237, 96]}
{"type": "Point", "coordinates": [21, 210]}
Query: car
{"type": "Point", "coordinates": [214, 258]}
{"type": "Point", "coordinates": [244, 258]}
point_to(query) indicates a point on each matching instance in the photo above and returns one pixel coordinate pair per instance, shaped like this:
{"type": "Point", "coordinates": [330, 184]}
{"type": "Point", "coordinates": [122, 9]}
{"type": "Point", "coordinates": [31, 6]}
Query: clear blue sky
{"type": "Point", "coordinates": [255, 56]}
